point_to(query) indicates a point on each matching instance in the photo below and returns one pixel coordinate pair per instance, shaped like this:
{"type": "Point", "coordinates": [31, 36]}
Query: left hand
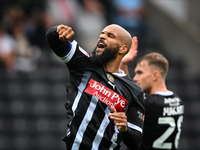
{"type": "Point", "coordinates": [119, 118]}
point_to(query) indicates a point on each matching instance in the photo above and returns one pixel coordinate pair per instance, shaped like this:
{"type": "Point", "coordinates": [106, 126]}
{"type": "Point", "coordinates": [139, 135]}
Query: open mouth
{"type": "Point", "coordinates": [101, 44]}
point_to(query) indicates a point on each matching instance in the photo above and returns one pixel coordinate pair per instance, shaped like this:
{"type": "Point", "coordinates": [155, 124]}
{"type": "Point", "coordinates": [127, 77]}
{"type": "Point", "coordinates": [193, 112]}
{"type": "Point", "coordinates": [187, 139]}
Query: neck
{"type": "Point", "coordinates": [161, 87]}
{"type": "Point", "coordinates": [112, 66]}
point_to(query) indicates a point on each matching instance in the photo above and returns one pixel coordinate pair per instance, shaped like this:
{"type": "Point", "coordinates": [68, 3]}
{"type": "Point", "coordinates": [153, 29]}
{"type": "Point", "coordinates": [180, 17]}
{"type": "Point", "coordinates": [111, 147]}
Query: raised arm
{"type": "Point", "coordinates": [58, 37]}
{"type": "Point", "coordinates": [130, 55]}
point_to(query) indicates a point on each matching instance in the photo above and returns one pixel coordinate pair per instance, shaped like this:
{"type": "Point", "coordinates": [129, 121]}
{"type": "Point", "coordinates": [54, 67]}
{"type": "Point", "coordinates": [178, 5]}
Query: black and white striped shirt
{"type": "Point", "coordinates": [91, 91]}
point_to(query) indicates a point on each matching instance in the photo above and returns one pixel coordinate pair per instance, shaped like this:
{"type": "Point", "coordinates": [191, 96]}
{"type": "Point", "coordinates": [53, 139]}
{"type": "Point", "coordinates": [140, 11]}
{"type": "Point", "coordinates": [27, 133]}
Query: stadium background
{"type": "Point", "coordinates": [32, 92]}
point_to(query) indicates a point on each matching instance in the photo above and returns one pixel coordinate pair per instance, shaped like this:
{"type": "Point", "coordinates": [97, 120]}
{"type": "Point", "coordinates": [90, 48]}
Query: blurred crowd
{"type": "Point", "coordinates": [23, 24]}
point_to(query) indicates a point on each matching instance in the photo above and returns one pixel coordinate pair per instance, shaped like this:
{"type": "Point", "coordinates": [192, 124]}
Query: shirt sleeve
{"type": "Point", "coordinates": [132, 139]}
{"type": "Point", "coordinates": [60, 48]}
{"type": "Point", "coordinates": [135, 122]}
{"type": "Point", "coordinates": [70, 53]}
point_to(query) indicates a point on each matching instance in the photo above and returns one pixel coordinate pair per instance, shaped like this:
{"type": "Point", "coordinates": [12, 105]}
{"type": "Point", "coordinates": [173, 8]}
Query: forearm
{"type": "Point", "coordinates": [59, 47]}
{"type": "Point", "coordinates": [133, 136]}
{"type": "Point", "coordinates": [124, 67]}
{"type": "Point", "coordinates": [132, 139]}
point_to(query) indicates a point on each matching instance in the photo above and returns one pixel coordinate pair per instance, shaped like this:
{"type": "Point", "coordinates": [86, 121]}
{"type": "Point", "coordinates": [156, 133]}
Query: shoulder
{"type": "Point", "coordinates": [77, 57]}
{"type": "Point", "coordinates": [153, 98]}
{"type": "Point", "coordinates": [162, 97]}
{"type": "Point", "coordinates": [132, 83]}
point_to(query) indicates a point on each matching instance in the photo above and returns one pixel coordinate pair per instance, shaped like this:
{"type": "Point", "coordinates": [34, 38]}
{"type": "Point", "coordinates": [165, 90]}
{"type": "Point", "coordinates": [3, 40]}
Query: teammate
{"type": "Point", "coordinates": [104, 105]}
{"type": "Point", "coordinates": [163, 108]}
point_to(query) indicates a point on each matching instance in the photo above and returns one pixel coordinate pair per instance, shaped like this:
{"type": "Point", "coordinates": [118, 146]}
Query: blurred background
{"type": "Point", "coordinates": [33, 80]}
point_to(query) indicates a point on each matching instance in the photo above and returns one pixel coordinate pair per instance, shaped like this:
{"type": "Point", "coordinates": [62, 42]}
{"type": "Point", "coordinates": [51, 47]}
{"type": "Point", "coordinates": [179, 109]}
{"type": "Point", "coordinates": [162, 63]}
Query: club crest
{"type": "Point", "coordinates": [110, 78]}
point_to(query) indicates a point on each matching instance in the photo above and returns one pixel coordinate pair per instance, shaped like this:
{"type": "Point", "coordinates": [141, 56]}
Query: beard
{"type": "Point", "coordinates": [107, 55]}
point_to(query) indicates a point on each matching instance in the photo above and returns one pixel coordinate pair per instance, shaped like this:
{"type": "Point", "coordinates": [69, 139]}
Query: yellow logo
{"type": "Point", "coordinates": [110, 78]}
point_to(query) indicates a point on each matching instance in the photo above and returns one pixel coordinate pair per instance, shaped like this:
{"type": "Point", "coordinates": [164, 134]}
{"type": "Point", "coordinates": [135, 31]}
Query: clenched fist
{"type": "Point", "coordinates": [65, 32]}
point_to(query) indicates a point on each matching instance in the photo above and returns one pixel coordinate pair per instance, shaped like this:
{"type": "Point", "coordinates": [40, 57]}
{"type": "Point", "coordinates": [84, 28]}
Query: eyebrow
{"type": "Point", "coordinates": [109, 33]}
{"type": "Point", "coordinates": [138, 71]}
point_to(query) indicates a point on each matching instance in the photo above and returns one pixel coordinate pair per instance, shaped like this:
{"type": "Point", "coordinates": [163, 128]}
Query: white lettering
{"type": "Point", "coordinates": [115, 95]}
{"type": "Point", "coordinates": [107, 93]}
{"type": "Point", "coordinates": [172, 101]}
{"type": "Point", "coordinates": [92, 86]}
{"type": "Point", "coordinates": [170, 111]}
{"type": "Point", "coordinates": [103, 99]}
{"type": "Point", "coordinates": [122, 103]}
{"type": "Point", "coordinates": [101, 89]}
{"type": "Point", "coordinates": [98, 87]}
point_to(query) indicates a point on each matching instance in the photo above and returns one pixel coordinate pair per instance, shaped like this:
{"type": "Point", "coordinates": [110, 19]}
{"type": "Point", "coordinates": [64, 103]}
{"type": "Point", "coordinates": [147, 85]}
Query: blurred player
{"type": "Point", "coordinates": [163, 108]}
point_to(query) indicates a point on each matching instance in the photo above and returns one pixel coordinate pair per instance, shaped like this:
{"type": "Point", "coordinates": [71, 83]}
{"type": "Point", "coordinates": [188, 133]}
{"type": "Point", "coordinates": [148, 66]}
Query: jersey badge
{"type": "Point", "coordinates": [110, 78]}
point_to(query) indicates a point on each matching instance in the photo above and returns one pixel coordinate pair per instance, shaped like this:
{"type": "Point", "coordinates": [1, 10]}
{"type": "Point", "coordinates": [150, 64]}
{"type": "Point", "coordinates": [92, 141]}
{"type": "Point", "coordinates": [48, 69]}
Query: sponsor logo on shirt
{"type": "Point", "coordinates": [172, 101]}
{"type": "Point", "coordinates": [140, 115]}
{"type": "Point", "coordinates": [106, 95]}
{"type": "Point", "coordinates": [174, 108]}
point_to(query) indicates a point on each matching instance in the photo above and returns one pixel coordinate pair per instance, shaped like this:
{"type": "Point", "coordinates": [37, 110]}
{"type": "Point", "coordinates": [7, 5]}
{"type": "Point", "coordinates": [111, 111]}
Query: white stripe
{"type": "Point", "coordinates": [101, 130]}
{"type": "Point", "coordinates": [76, 101]}
{"type": "Point", "coordinates": [84, 123]}
{"type": "Point", "coordinates": [114, 138]}
{"type": "Point", "coordinates": [68, 57]}
{"type": "Point", "coordinates": [168, 93]}
{"type": "Point", "coordinates": [81, 87]}
{"type": "Point", "coordinates": [130, 125]}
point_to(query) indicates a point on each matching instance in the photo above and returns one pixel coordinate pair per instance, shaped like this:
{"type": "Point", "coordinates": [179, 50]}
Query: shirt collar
{"type": "Point", "coordinates": [168, 93]}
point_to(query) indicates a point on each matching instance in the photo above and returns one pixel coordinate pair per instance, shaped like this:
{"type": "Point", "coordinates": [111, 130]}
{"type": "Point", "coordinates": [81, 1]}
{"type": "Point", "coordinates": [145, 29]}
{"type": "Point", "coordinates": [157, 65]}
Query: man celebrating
{"type": "Point", "coordinates": [104, 106]}
{"type": "Point", "coordinates": [163, 109]}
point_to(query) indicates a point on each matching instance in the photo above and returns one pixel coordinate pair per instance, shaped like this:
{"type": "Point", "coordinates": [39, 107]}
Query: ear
{"type": "Point", "coordinates": [123, 49]}
{"type": "Point", "coordinates": [156, 75]}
